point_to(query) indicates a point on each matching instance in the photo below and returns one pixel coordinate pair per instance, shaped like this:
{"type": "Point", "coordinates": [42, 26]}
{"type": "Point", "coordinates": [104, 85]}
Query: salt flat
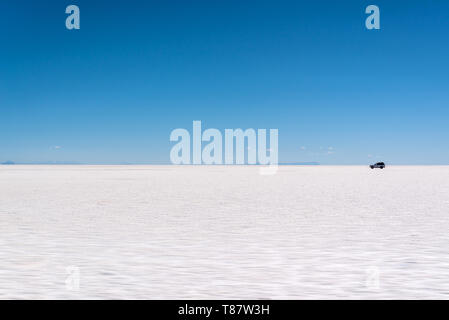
{"type": "Point", "coordinates": [217, 232]}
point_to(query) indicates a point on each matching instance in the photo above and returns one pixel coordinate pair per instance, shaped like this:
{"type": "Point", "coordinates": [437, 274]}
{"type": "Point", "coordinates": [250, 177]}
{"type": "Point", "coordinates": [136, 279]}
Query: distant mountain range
{"type": "Point", "coordinates": [129, 163]}
{"type": "Point", "coordinates": [43, 162]}
{"type": "Point", "coordinates": [299, 164]}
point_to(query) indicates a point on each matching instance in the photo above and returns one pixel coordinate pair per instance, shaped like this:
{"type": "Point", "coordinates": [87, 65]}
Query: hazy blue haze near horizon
{"type": "Point", "coordinates": [113, 91]}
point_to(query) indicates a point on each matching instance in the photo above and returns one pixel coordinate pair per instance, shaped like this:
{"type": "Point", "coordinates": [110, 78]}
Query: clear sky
{"type": "Point", "coordinates": [113, 91]}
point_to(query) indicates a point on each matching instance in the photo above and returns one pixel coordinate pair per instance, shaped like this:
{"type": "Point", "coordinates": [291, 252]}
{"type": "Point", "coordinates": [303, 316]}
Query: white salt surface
{"type": "Point", "coordinates": [215, 232]}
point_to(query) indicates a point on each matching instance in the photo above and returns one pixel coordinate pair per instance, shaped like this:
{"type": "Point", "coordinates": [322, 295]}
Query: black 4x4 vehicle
{"type": "Point", "coordinates": [380, 165]}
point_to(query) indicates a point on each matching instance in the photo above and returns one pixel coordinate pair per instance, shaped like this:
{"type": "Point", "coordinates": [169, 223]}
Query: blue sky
{"type": "Point", "coordinates": [112, 91]}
